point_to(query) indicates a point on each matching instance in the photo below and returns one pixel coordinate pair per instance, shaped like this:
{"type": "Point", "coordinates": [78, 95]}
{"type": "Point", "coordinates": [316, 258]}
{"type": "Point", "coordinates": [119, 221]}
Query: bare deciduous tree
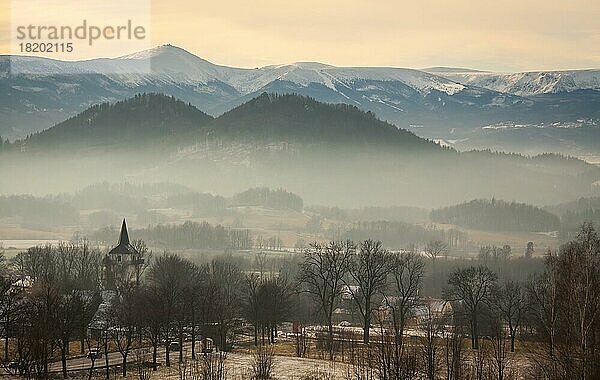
{"type": "Point", "coordinates": [432, 326]}
{"type": "Point", "coordinates": [322, 273]}
{"type": "Point", "coordinates": [123, 320]}
{"type": "Point", "coordinates": [500, 360]}
{"type": "Point", "coordinates": [368, 269]}
{"type": "Point", "coordinates": [435, 249]}
{"type": "Point", "coordinates": [453, 344]}
{"type": "Point", "coordinates": [406, 278]}
{"type": "Point", "coordinates": [509, 302]}
{"type": "Point", "coordinates": [472, 286]}
{"type": "Point", "coordinates": [543, 293]}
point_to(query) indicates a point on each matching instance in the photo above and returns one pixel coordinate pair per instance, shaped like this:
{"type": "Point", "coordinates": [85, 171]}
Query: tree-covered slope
{"type": "Point", "coordinates": [301, 119]}
{"type": "Point", "coordinates": [128, 122]}
{"type": "Point", "coordinates": [498, 215]}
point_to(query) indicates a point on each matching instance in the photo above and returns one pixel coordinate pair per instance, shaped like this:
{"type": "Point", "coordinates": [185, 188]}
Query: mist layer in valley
{"type": "Point", "coordinates": [329, 154]}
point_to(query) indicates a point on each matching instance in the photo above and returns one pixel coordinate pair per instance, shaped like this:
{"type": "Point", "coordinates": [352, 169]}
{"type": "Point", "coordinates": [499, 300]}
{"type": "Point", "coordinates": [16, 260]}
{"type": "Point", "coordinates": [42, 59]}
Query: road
{"type": "Point", "coordinates": [115, 358]}
{"type": "Point", "coordinates": [237, 364]}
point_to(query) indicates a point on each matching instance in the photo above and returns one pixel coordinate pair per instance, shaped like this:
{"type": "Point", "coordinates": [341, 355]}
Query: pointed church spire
{"type": "Point", "coordinates": [124, 238]}
{"type": "Point", "coordinates": [124, 247]}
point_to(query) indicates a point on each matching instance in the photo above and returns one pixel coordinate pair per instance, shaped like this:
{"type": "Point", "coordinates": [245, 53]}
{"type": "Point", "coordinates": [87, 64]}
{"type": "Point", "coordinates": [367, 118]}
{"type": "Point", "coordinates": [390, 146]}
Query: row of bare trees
{"type": "Point", "coordinates": [566, 309]}
{"type": "Point", "coordinates": [176, 301]}
{"type": "Point", "coordinates": [49, 295]}
{"type": "Point", "coordinates": [53, 296]}
{"type": "Point", "coordinates": [557, 311]}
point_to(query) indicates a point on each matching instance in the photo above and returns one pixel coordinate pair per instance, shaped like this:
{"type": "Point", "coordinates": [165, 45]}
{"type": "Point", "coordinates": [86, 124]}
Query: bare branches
{"type": "Point", "coordinates": [509, 302]}
{"type": "Point", "coordinates": [369, 270]}
{"type": "Point", "coordinates": [406, 278]}
{"type": "Point", "coordinates": [435, 249]}
{"type": "Point", "coordinates": [472, 286]}
{"type": "Point", "coordinates": [322, 274]}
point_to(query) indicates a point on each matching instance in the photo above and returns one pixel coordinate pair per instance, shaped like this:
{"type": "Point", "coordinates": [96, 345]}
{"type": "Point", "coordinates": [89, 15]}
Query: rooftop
{"type": "Point", "coordinates": [124, 247]}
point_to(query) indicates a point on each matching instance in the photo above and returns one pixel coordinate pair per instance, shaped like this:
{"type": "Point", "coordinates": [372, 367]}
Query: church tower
{"type": "Point", "coordinates": [122, 263]}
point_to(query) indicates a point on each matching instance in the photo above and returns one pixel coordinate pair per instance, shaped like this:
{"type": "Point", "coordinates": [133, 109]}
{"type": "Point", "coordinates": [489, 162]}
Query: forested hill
{"type": "Point", "coordinates": [577, 206]}
{"type": "Point", "coordinates": [143, 117]}
{"type": "Point", "coordinates": [497, 215]}
{"type": "Point", "coordinates": [301, 119]}
{"type": "Point", "coordinates": [279, 199]}
{"type": "Point", "coordinates": [262, 120]}
{"type": "Point", "coordinates": [573, 214]}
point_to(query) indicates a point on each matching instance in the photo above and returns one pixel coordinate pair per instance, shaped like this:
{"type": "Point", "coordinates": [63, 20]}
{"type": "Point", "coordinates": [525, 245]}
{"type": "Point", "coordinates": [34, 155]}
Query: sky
{"type": "Point", "coordinates": [500, 35]}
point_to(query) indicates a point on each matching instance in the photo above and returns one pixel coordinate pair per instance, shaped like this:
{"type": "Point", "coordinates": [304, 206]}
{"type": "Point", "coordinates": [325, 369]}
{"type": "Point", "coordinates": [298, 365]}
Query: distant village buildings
{"type": "Point", "coordinates": [423, 308]}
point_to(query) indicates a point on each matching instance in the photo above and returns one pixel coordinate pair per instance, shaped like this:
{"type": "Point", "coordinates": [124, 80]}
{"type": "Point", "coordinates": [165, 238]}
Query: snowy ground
{"type": "Point", "coordinates": [289, 368]}
{"type": "Point", "coordinates": [239, 365]}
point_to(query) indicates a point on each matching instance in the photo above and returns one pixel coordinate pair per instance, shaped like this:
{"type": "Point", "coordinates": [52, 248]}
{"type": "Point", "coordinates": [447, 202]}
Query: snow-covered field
{"type": "Point", "coordinates": [289, 368]}
{"type": "Point", "coordinates": [238, 367]}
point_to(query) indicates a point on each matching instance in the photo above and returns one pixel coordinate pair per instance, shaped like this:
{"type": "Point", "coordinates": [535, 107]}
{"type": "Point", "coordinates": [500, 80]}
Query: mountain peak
{"type": "Point", "coordinates": [174, 64]}
{"type": "Point", "coordinates": [312, 65]}
{"type": "Point", "coordinates": [158, 51]}
{"type": "Point", "coordinates": [445, 69]}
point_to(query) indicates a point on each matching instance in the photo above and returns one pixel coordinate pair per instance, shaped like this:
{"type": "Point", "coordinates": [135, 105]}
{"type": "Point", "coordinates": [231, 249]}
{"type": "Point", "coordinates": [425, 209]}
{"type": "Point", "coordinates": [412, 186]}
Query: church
{"type": "Point", "coordinates": [123, 263]}
{"type": "Point", "coordinates": [122, 266]}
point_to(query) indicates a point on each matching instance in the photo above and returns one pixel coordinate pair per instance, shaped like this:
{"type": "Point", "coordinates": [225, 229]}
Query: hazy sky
{"type": "Point", "coordinates": [500, 35]}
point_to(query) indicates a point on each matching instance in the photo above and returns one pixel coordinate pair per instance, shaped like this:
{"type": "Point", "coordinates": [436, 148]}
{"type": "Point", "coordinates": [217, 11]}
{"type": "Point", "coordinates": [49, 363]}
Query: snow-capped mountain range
{"type": "Point", "coordinates": [437, 99]}
{"type": "Point", "coordinates": [526, 83]}
{"type": "Point", "coordinates": [171, 64]}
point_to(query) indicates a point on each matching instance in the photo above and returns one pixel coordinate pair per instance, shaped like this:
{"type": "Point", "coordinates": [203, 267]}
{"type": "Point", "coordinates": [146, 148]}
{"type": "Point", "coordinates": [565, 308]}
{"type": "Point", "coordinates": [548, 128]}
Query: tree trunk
{"type": "Point", "coordinates": [273, 334]}
{"type": "Point", "coordinates": [181, 346]}
{"type": "Point", "coordinates": [91, 369]}
{"type": "Point", "coordinates": [125, 365]}
{"type": "Point", "coordinates": [6, 336]}
{"type": "Point", "coordinates": [399, 338]}
{"type": "Point", "coordinates": [330, 339]}
{"type": "Point", "coordinates": [167, 354]}
{"type": "Point", "coordinates": [193, 340]}
{"type": "Point", "coordinates": [366, 328]}
{"type": "Point", "coordinates": [473, 343]}
{"type": "Point", "coordinates": [154, 353]}
{"type": "Point", "coordinates": [367, 320]}
{"type": "Point", "coordinates": [512, 342]}
{"type": "Point", "coordinates": [46, 357]}
{"type": "Point", "coordinates": [63, 359]}
{"type": "Point", "coordinates": [106, 357]}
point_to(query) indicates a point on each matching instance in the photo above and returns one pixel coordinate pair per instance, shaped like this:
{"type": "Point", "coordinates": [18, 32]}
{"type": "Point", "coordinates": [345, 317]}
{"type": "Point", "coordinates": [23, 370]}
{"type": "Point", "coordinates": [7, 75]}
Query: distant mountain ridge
{"type": "Point", "coordinates": [405, 97]}
{"type": "Point", "coordinates": [526, 83]}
